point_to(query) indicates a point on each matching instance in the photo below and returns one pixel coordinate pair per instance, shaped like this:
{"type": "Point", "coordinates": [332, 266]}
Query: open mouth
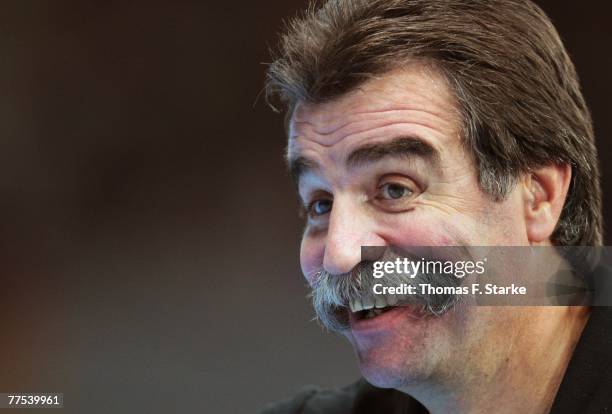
{"type": "Point", "coordinates": [372, 313]}
{"type": "Point", "coordinates": [371, 307]}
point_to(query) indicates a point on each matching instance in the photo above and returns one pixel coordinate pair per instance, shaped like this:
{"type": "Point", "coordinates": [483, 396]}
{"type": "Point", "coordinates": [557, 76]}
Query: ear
{"type": "Point", "coordinates": [545, 190]}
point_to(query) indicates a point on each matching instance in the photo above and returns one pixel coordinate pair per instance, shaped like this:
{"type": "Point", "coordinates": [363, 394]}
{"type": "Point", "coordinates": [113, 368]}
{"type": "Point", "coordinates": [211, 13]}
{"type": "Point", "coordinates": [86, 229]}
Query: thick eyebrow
{"type": "Point", "coordinates": [401, 147]}
{"type": "Point", "coordinates": [299, 166]}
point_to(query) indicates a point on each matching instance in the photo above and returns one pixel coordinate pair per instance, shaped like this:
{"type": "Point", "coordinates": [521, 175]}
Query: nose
{"type": "Point", "coordinates": [349, 229]}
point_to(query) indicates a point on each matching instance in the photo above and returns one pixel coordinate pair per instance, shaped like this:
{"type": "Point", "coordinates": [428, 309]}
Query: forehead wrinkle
{"type": "Point", "coordinates": [382, 131]}
{"type": "Point", "coordinates": [303, 130]}
{"type": "Point", "coordinates": [418, 82]}
{"type": "Point", "coordinates": [400, 98]}
{"type": "Point", "coordinates": [331, 117]}
{"type": "Point", "coordinates": [318, 125]}
{"type": "Point", "coordinates": [299, 163]}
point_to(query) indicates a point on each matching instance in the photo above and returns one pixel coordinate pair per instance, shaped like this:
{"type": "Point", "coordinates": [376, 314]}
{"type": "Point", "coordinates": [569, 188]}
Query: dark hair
{"type": "Point", "coordinates": [514, 82]}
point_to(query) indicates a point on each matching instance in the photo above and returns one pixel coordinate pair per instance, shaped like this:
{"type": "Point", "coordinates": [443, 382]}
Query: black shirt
{"type": "Point", "coordinates": [586, 387]}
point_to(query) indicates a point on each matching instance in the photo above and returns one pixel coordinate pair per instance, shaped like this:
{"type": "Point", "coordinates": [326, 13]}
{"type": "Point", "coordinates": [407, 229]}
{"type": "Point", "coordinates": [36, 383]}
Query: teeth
{"type": "Point", "coordinates": [367, 302]}
{"type": "Point", "coordinates": [373, 303]}
{"type": "Point", "coordinates": [392, 300]}
{"type": "Point", "coordinates": [356, 305]}
{"type": "Point", "coordinates": [380, 301]}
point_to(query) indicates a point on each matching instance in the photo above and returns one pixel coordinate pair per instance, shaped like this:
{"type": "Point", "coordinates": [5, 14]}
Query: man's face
{"type": "Point", "coordinates": [385, 166]}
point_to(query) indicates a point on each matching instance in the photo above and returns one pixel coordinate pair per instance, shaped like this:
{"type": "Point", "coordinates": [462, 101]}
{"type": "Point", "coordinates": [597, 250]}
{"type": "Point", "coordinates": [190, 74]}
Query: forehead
{"type": "Point", "coordinates": [416, 95]}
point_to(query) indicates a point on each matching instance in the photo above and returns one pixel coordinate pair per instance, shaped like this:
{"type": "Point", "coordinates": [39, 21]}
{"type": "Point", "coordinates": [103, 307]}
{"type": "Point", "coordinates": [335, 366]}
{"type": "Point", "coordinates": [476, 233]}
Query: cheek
{"type": "Point", "coordinates": [507, 223]}
{"type": "Point", "coordinates": [311, 256]}
{"type": "Point", "coordinates": [425, 230]}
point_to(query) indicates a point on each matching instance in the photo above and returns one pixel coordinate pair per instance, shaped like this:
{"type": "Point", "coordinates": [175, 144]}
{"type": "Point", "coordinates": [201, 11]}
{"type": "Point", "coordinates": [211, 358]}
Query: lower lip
{"type": "Point", "coordinates": [383, 322]}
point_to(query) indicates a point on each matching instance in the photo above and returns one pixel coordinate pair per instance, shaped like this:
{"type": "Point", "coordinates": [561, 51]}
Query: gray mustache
{"type": "Point", "coordinates": [331, 294]}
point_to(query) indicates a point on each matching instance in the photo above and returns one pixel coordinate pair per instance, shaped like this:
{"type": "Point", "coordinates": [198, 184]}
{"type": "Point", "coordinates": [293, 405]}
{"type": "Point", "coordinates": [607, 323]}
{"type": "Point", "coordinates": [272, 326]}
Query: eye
{"type": "Point", "coordinates": [394, 191]}
{"type": "Point", "coordinates": [319, 207]}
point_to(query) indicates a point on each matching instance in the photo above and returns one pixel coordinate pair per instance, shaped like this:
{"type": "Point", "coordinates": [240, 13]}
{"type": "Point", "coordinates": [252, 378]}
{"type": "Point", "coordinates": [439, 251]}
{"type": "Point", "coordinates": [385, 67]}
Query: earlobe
{"type": "Point", "coordinates": [545, 191]}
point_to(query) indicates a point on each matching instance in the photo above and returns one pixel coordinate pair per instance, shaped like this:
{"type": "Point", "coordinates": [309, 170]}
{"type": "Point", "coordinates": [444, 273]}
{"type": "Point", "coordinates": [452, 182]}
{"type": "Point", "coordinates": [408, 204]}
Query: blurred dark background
{"type": "Point", "coordinates": [149, 240]}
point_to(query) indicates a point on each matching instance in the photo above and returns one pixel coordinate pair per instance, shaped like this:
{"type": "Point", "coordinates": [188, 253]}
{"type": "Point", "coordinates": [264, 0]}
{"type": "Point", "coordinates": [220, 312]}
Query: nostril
{"type": "Point", "coordinates": [338, 263]}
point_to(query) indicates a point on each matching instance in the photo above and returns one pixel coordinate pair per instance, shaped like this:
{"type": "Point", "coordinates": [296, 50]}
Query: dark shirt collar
{"type": "Point", "coordinates": [587, 385]}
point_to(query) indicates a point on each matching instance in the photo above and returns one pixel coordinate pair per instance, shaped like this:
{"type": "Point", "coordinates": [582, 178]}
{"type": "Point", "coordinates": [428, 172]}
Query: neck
{"type": "Point", "coordinates": [523, 373]}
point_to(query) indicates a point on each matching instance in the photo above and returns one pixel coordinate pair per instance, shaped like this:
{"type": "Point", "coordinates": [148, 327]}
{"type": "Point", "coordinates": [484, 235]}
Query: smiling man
{"type": "Point", "coordinates": [441, 123]}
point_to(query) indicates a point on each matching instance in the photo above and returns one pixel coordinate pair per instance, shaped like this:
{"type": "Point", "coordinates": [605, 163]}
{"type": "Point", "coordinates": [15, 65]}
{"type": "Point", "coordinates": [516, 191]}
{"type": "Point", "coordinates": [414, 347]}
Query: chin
{"type": "Point", "coordinates": [383, 379]}
{"type": "Point", "coordinates": [392, 369]}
